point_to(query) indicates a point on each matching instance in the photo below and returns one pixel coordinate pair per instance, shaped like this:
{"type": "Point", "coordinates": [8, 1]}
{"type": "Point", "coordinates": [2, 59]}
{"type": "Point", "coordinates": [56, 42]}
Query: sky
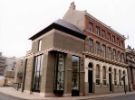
{"type": "Point", "coordinates": [20, 19]}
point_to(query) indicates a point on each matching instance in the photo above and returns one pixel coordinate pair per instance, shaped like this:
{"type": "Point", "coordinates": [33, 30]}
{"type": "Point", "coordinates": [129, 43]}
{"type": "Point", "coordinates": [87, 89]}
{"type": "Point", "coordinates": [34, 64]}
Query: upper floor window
{"type": "Point", "coordinates": [122, 57]}
{"type": "Point", "coordinates": [98, 48]}
{"type": "Point", "coordinates": [113, 38]}
{"type": "Point", "coordinates": [109, 52]}
{"type": "Point", "coordinates": [104, 50]}
{"type": "Point", "coordinates": [39, 45]}
{"type": "Point", "coordinates": [98, 30]}
{"type": "Point", "coordinates": [108, 36]}
{"type": "Point", "coordinates": [103, 33]}
{"type": "Point", "coordinates": [91, 45]}
{"type": "Point", "coordinates": [91, 27]}
{"type": "Point", "coordinates": [114, 54]}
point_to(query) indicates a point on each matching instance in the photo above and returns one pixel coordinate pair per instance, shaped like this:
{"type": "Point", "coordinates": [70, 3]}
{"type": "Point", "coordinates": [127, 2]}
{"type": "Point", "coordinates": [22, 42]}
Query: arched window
{"type": "Point", "coordinates": [120, 77]}
{"type": "Point", "coordinates": [104, 75]}
{"type": "Point", "coordinates": [97, 75]}
{"type": "Point", "coordinates": [115, 77]}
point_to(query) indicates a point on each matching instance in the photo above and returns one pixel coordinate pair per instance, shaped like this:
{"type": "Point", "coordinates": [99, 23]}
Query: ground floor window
{"type": "Point", "coordinates": [75, 75]}
{"type": "Point", "coordinates": [37, 73]}
{"type": "Point", "coordinates": [104, 75]}
{"type": "Point", "coordinates": [115, 77]}
{"type": "Point", "coordinates": [59, 72]}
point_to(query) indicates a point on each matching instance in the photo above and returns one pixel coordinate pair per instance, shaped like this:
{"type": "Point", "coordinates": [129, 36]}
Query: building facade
{"type": "Point", "coordinates": [130, 59]}
{"type": "Point", "coordinates": [77, 55]}
{"type": "Point", "coordinates": [104, 53]}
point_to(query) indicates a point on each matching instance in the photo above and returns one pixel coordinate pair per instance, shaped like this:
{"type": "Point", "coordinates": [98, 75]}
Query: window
{"type": "Point", "coordinates": [97, 30]}
{"type": "Point", "coordinates": [37, 73]}
{"type": "Point", "coordinates": [76, 72]}
{"type": "Point", "coordinates": [103, 33]}
{"type": "Point", "coordinates": [104, 50]}
{"type": "Point", "coordinates": [97, 75]}
{"type": "Point", "coordinates": [39, 45]}
{"type": "Point", "coordinates": [91, 45]}
{"type": "Point", "coordinates": [109, 53]}
{"type": "Point", "coordinates": [113, 38]}
{"type": "Point", "coordinates": [118, 56]}
{"type": "Point", "coordinates": [115, 77]}
{"type": "Point", "coordinates": [98, 48]}
{"type": "Point", "coordinates": [91, 27]}
{"type": "Point", "coordinates": [120, 82]}
{"type": "Point", "coordinates": [121, 56]}
{"type": "Point", "coordinates": [60, 68]}
{"type": "Point", "coordinates": [104, 75]}
{"type": "Point", "coordinates": [108, 36]}
{"type": "Point", "coordinates": [114, 54]}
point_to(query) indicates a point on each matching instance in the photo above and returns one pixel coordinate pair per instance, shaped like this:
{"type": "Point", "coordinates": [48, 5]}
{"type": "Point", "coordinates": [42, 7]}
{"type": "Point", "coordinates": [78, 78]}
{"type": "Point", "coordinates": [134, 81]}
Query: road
{"type": "Point", "coordinates": [5, 97]}
{"type": "Point", "coordinates": [125, 97]}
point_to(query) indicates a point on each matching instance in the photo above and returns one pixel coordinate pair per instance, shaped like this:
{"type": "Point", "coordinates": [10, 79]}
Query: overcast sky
{"type": "Point", "coordinates": [20, 19]}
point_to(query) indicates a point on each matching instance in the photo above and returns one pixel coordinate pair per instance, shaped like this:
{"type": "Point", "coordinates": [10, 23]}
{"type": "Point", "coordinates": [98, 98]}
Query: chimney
{"type": "Point", "coordinates": [72, 6]}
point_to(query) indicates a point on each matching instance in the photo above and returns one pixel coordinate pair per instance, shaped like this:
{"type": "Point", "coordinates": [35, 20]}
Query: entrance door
{"type": "Point", "coordinates": [90, 77]}
{"type": "Point", "coordinates": [110, 79]}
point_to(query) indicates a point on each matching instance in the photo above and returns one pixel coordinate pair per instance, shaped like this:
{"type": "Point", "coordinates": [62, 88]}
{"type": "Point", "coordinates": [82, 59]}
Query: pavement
{"type": "Point", "coordinates": [9, 91]}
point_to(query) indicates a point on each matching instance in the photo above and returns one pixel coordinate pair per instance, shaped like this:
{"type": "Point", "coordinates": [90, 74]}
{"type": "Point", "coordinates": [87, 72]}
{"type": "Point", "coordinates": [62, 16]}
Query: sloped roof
{"type": "Point", "coordinates": [61, 25]}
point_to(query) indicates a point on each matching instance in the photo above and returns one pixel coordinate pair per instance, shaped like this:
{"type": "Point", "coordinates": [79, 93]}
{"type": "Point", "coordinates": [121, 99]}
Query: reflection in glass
{"type": "Point", "coordinates": [76, 70]}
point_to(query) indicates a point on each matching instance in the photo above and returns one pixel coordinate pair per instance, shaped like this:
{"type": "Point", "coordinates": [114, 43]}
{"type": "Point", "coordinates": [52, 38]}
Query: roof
{"type": "Point", "coordinates": [61, 25]}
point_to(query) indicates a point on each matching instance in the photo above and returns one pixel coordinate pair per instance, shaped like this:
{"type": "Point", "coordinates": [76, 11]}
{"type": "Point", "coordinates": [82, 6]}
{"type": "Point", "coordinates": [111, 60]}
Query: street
{"type": "Point", "coordinates": [5, 97]}
{"type": "Point", "coordinates": [125, 97]}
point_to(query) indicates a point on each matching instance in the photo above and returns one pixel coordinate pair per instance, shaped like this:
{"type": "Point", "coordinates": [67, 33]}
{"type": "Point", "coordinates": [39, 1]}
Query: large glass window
{"type": "Point", "coordinates": [97, 75]}
{"type": "Point", "coordinates": [37, 73]}
{"type": "Point", "coordinates": [76, 72]}
{"type": "Point", "coordinates": [60, 68]}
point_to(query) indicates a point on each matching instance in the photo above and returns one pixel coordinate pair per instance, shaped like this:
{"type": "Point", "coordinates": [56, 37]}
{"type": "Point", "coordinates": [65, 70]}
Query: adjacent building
{"type": "Point", "coordinates": [19, 70]}
{"type": "Point", "coordinates": [130, 59]}
{"type": "Point", "coordinates": [9, 72]}
{"type": "Point", "coordinates": [2, 64]}
{"type": "Point", "coordinates": [76, 55]}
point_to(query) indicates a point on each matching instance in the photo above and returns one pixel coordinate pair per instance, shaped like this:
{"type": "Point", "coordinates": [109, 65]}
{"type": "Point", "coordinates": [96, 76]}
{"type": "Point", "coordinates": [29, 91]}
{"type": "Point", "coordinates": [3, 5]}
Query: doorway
{"type": "Point", "coordinates": [90, 77]}
{"type": "Point", "coordinates": [110, 79]}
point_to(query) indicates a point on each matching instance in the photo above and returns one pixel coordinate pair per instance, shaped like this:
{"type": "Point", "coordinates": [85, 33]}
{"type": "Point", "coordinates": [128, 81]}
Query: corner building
{"type": "Point", "coordinates": [77, 55]}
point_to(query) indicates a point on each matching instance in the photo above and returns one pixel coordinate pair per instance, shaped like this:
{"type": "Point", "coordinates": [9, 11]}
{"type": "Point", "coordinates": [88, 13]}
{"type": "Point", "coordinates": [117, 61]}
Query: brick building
{"type": "Point", "coordinates": [130, 59]}
{"type": "Point", "coordinates": [77, 55]}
